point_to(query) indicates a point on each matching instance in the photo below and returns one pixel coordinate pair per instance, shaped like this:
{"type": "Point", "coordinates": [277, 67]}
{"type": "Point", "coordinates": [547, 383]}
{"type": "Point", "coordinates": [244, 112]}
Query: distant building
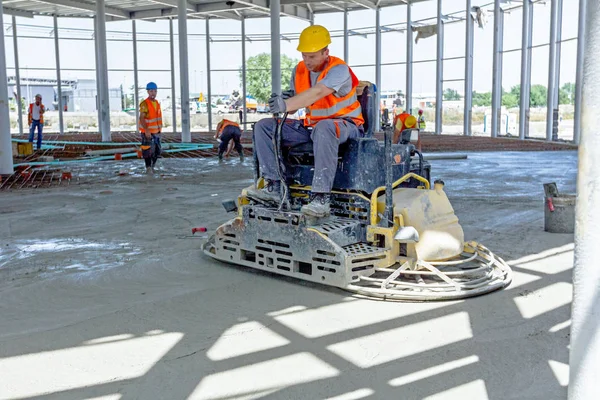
{"type": "Point", "coordinates": [77, 95]}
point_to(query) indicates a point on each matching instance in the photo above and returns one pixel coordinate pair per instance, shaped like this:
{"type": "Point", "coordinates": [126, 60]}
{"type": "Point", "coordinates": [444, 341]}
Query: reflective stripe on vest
{"type": "Point", "coordinates": [329, 106]}
{"type": "Point", "coordinates": [153, 117]}
{"type": "Point", "coordinates": [225, 123]}
{"type": "Point", "coordinates": [30, 115]}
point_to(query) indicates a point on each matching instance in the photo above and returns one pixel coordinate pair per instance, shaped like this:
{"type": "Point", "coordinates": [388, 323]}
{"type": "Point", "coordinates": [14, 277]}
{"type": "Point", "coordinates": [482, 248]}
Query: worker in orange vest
{"type": "Point", "coordinates": [326, 86]}
{"type": "Point", "coordinates": [150, 127]}
{"type": "Point", "coordinates": [403, 121]}
{"type": "Point", "coordinates": [229, 131]}
{"type": "Point", "coordinates": [35, 118]}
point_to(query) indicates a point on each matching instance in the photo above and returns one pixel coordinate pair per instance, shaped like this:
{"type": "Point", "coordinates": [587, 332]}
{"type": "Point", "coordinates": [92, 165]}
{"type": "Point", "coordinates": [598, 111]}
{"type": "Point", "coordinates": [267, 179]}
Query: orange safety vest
{"type": "Point", "coordinates": [329, 106]}
{"type": "Point", "coordinates": [153, 117]}
{"type": "Point", "coordinates": [223, 124]}
{"type": "Point", "coordinates": [402, 117]}
{"type": "Point", "coordinates": [30, 115]}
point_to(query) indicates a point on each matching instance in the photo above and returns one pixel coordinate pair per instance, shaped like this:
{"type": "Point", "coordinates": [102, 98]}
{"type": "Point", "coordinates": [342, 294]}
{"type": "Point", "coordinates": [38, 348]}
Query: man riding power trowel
{"type": "Point", "coordinates": [338, 207]}
{"type": "Point", "coordinates": [326, 87]}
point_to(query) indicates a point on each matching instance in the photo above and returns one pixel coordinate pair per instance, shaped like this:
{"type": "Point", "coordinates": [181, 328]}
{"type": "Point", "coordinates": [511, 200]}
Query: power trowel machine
{"type": "Point", "coordinates": [389, 234]}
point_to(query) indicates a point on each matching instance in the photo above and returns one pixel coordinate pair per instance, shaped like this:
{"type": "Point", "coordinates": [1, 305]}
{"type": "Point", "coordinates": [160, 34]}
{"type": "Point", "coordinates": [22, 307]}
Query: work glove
{"type": "Point", "coordinates": [277, 104]}
{"type": "Point", "coordinates": [287, 94]}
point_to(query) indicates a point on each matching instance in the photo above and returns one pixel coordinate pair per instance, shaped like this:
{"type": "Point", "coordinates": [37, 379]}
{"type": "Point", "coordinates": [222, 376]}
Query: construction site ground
{"type": "Point", "coordinates": [105, 294]}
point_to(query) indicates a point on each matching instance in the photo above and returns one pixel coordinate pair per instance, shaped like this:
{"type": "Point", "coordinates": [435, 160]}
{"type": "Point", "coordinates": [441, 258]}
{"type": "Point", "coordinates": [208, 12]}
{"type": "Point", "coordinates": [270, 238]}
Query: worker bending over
{"type": "Point", "coordinates": [150, 127]}
{"type": "Point", "coordinates": [403, 121]}
{"type": "Point", "coordinates": [326, 87]}
{"type": "Point", "coordinates": [229, 131]}
{"type": "Point", "coordinates": [35, 119]}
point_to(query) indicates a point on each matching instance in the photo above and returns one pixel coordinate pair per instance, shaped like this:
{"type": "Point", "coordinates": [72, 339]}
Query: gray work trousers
{"type": "Point", "coordinates": [326, 136]}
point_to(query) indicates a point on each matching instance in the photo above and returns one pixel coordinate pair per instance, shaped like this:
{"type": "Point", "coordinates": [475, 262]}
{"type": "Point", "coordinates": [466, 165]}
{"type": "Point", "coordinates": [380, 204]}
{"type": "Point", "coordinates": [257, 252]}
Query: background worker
{"type": "Point", "coordinates": [421, 121]}
{"type": "Point", "coordinates": [35, 118]}
{"type": "Point", "coordinates": [326, 86]}
{"type": "Point", "coordinates": [401, 122]}
{"type": "Point", "coordinates": [229, 135]}
{"type": "Point", "coordinates": [150, 127]}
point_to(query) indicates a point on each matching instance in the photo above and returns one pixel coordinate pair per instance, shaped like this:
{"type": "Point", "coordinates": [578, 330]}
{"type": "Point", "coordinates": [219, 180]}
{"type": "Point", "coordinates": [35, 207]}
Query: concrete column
{"type": "Point", "coordinates": [98, 77]}
{"type": "Point", "coordinates": [439, 70]}
{"type": "Point", "coordinates": [136, 84]}
{"type": "Point", "coordinates": [61, 126]}
{"type": "Point", "coordinates": [551, 124]}
{"type": "Point", "coordinates": [529, 59]}
{"type": "Point", "coordinates": [579, 70]}
{"type": "Point", "coordinates": [559, 18]}
{"type": "Point", "coordinates": [497, 68]}
{"type": "Point", "coordinates": [208, 82]}
{"type": "Point", "coordinates": [557, 70]}
{"type": "Point", "coordinates": [184, 76]}
{"type": "Point", "coordinates": [173, 94]}
{"type": "Point", "coordinates": [346, 49]}
{"type": "Point", "coordinates": [378, 67]}
{"type": "Point", "coordinates": [245, 111]}
{"type": "Point", "coordinates": [409, 58]}
{"type": "Point", "coordinates": [17, 73]}
{"type": "Point", "coordinates": [6, 161]}
{"type": "Point", "coordinates": [584, 359]}
{"type": "Point", "coordinates": [525, 72]}
{"type": "Point", "coordinates": [102, 65]}
{"type": "Point", "coordinates": [275, 47]}
{"type": "Point", "coordinates": [469, 44]}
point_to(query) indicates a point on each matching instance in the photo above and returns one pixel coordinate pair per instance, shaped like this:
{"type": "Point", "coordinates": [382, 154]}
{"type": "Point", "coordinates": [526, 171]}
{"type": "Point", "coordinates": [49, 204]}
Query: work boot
{"type": "Point", "coordinates": [241, 156]}
{"type": "Point", "coordinates": [318, 206]}
{"type": "Point", "coordinates": [220, 157]}
{"type": "Point", "coordinates": [149, 170]}
{"type": "Point", "coordinates": [271, 192]}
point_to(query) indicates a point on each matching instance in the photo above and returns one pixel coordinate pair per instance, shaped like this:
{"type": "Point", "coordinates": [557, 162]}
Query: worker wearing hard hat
{"type": "Point", "coordinates": [403, 121]}
{"type": "Point", "coordinates": [150, 127]}
{"type": "Point", "coordinates": [326, 87]}
{"type": "Point", "coordinates": [229, 132]}
{"type": "Point", "coordinates": [421, 121]}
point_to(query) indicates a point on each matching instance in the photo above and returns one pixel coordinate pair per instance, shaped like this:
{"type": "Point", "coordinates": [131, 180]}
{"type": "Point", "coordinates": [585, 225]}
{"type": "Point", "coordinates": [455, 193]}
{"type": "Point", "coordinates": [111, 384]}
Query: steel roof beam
{"type": "Point", "coordinates": [18, 13]}
{"type": "Point", "coordinates": [365, 3]}
{"type": "Point", "coordinates": [219, 7]}
{"type": "Point", "coordinates": [112, 11]}
{"type": "Point", "coordinates": [286, 9]}
{"type": "Point", "coordinates": [173, 3]}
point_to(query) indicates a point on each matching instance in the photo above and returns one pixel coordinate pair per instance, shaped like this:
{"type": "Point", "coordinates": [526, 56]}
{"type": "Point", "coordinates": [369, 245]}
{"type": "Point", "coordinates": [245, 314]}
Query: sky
{"type": "Point", "coordinates": [37, 53]}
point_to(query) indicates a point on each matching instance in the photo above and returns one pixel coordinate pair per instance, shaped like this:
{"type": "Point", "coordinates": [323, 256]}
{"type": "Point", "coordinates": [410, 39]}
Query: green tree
{"type": "Point", "coordinates": [566, 94]}
{"type": "Point", "coordinates": [258, 75]}
{"type": "Point", "coordinates": [511, 99]}
{"type": "Point", "coordinates": [482, 99]}
{"type": "Point", "coordinates": [538, 96]}
{"type": "Point", "coordinates": [451, 94]}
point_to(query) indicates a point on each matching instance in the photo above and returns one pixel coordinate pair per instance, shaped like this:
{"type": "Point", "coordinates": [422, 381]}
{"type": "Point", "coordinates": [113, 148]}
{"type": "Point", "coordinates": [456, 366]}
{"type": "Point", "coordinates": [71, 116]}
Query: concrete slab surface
{"type": "Point", "coordinates": [105, 294]}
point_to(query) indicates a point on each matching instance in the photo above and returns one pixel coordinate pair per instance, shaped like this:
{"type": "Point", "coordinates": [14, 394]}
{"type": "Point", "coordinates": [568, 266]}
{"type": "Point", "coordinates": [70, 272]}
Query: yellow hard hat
{"type": "Point", "coordinates": [410, 121]}
{"type": "Point", "coordinates": [313, 39]}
